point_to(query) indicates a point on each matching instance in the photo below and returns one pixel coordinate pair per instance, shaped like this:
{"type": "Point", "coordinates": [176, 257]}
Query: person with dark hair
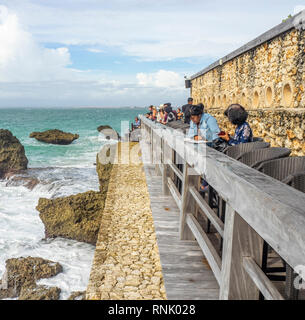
{"type": "Point", "coordinates": [203, 125]}
{"type": "Point", "coordinates": [238, 116]}
{"type": "Point", "coordinates": [186, 110]}
{"type": "Point", "coordinates": [169, 114]}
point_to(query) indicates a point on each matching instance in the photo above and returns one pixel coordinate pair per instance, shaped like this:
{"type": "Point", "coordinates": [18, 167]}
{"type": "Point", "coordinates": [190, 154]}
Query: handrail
{"type": "Point", "coordinates": [258, 206]}
{"type": "Point", "coordinates": [274, 210]}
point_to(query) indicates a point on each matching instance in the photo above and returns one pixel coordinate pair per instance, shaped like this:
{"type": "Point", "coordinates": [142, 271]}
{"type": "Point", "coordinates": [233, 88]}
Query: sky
{"type": "Point", "coordinates": [96, 53]}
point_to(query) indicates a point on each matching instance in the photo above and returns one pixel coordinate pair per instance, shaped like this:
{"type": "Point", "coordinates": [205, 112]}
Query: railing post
{"type": "Point", "coordinates": [188, 204]}
{"type": "Point", "coordinates": [151, 145]}
{"type": "Point", "coordinates": [164, 169]}
{"type": "Point", "coordinates": [240, 240]}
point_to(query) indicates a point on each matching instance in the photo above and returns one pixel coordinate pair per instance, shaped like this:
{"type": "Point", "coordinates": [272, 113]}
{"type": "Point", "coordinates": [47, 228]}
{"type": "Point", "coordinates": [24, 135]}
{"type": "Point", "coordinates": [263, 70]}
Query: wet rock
{"type": "Point", "coordinates": [78, 295]}
{"type": "Point", "coordinates": [21, 180]}
{"type": "Point", "coordinates": [12, 154]}
{"type": "Point", "coordinates": [78, 216]}
{"type": "Point", "coordinates": [75, 217]}
{"type": "Point", "coordinates": [55, 136]}
{"type": "Point", "coordinates": [39, 292]}
{"type": "Point", "coordinates": [24, 272]}
{"type": "Point", "coordinates": [103, 127]}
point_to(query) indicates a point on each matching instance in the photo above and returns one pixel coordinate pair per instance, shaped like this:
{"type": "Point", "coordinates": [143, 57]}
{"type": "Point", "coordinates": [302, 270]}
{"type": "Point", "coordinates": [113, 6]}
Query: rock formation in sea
{"type": "Point", "coordinates": [77, 295]}
{"type": "Point", "coordinates": [39, 292]}
{"type": "Point", "coordinates": [22, 180]}
{"type": "Point", "coordinates": [12, 154]}
{"type": "Point", "coordinates": [77, 216]}
{"type": "Point", "coordinates": [55, 136]}
{"type": "Point", "coordinates": [19, 279]}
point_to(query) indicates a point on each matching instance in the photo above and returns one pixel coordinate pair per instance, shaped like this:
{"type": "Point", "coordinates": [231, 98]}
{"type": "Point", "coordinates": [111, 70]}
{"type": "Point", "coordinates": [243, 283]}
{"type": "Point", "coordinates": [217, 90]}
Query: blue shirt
{"type": "Point", "coordinates": [243, 134]}
{"type": "Point", "coordinates": [208, 128]}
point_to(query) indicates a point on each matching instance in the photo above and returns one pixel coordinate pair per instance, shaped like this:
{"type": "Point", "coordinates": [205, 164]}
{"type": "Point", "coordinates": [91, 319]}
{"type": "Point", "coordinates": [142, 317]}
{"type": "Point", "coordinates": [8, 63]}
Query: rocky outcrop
{"type": "Point", "coordinates": [103, 127]}
{"type": "Point", "coordinates": [22, 180]}
{"type": "Point", "coordinates": [55, 136]}
{"type": "Point", "coordinates": [75, 217]}
{"type": "Point", "coordinates": [34, 292]}
{"type": "Point", "coordinates": [78, 216]}
{"type": "Point", "coordinates": [78, 295]}
{"type": "Point", "coordinates": [22, 273]}
{"type": "Point", "coordinates": [12, 154]}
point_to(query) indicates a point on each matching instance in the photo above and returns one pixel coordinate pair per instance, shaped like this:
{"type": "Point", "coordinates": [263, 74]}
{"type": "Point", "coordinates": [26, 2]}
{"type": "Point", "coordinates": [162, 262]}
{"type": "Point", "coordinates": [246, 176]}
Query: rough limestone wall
{"type": "Point", "coordinates": [126, 264]}
{"type": "Point", "coordinates": [269, 81]}
{"type": "Point", "coordinates": [280, 127]}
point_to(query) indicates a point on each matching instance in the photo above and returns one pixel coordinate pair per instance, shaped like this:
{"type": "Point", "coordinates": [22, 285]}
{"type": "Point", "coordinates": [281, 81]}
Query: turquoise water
{"type": "Point", "coordinates": [83, 121]}
{"type": "Point", "coordinates": [62, 171]}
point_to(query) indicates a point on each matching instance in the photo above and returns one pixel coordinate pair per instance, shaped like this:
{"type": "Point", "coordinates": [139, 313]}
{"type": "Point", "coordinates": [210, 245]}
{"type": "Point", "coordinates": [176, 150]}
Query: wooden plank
{"type": "Point", "coordinates": [206, 245]}
{"type": "Point", "coordinates": [240, 240]}
{"type": "Point", "coordinates": [274, 210]}
{"type": "Point", "coordinates": [217, 223]}
{"type": "Point", "coordinates": [176, 171]}
{"type": "Point", "coordinates": [174, 192]}
{"type": "Point", "coordinates": [266, 287]}
{"type": "Point", "coordinates": [186, 274]}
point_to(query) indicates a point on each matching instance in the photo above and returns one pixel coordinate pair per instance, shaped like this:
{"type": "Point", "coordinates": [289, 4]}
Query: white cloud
{"type": "Point", "coordinates": [158, 30]}
{"type": "Point", "coordinates": [22, 59]}
{"type": "Point", "coordinates": [160, 79]}
{"type": "Point", "coordinates": [32, 75]}
{"type": "Point", "coordinates": [93, 50]}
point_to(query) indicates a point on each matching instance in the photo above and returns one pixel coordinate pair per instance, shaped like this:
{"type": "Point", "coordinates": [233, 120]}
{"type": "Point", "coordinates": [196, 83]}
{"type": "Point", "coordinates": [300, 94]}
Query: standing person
{"type": "Point", "coordinates": [186, 110]}
{"type": "Point", "coordinates": [203, 125]}
{"type": "Point", "coordinates": [238, 116]}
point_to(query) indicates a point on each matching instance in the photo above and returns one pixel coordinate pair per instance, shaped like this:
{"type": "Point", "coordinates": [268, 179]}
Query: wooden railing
{"type": "Point", "coordinates": [258, 208]}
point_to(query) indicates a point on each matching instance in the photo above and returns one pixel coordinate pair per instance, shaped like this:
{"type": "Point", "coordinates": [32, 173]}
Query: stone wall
{"type": "Point", "coordinates": [280, 127]}
{"type": "Point", "coordinates": [269, 81]}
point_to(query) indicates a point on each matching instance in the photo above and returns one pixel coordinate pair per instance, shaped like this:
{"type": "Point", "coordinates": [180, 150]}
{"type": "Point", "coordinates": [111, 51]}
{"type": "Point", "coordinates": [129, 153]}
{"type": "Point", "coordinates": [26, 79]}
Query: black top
{"type": "Point", "coordinates": [186, 109]}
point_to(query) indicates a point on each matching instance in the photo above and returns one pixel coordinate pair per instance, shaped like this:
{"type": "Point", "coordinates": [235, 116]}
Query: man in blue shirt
{"type": "Point", "coordinates": [203, 125]}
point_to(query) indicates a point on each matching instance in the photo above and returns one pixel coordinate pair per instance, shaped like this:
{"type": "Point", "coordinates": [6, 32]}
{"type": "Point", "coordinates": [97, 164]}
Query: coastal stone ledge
{"type": "Point", "coordinates": [126, 263]}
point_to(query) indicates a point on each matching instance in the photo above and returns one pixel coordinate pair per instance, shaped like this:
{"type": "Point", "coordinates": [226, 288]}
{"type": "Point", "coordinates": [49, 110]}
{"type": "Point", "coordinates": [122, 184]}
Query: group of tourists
{"type": "Point", "coordinates": [203, 126]}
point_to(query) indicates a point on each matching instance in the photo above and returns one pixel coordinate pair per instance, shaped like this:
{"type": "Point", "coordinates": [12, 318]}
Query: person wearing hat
{"type": "Point", "coordinates": [203, 126]}
{"type": "Point", "coordinates": [186, 110]}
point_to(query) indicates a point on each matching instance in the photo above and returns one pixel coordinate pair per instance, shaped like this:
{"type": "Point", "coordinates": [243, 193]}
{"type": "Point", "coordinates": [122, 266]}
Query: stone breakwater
{"type": "Point", "coordinates": [126, 263]}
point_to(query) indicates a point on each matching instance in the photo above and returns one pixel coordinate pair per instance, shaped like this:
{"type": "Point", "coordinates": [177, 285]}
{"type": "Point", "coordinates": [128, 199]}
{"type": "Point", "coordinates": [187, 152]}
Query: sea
{"type": "Point", "coordinates": [63, 170]}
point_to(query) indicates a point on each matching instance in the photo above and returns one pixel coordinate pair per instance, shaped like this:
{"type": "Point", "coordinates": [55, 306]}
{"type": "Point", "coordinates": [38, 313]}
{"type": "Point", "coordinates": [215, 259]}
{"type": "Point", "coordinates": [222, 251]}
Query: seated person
{"type": "Point", "coordinates": [237, 115]}
{"type": "Point", "coordinates": [137, 123]}
{"type": "Point", "coordinates": [169, 115]}
{"type": "Point", "coordinates": [179, 114]}
{"type": "Point", "coordinates": [203, 125]}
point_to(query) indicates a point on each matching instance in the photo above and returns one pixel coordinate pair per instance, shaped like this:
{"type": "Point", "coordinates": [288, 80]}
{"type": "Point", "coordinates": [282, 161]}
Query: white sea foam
{"type": "Point", "coordinates": [22, 231]}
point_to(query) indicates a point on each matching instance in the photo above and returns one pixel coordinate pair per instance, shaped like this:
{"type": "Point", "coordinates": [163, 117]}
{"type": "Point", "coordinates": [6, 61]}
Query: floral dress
{"type": "Point", "coordinates": [243, 134]}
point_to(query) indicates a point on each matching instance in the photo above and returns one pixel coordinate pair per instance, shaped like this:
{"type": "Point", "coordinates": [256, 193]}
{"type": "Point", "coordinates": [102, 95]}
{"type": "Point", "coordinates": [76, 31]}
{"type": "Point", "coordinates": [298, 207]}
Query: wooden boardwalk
{"type": "Point", "coordinates": [187, 275]}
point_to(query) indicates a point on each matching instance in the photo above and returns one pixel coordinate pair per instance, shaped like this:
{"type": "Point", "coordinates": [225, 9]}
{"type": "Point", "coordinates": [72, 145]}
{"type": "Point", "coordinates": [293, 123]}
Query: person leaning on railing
{"type": "Point", "coordinates": [238, 116]}
{"type": "Point", "coordinates": [203, 126]}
